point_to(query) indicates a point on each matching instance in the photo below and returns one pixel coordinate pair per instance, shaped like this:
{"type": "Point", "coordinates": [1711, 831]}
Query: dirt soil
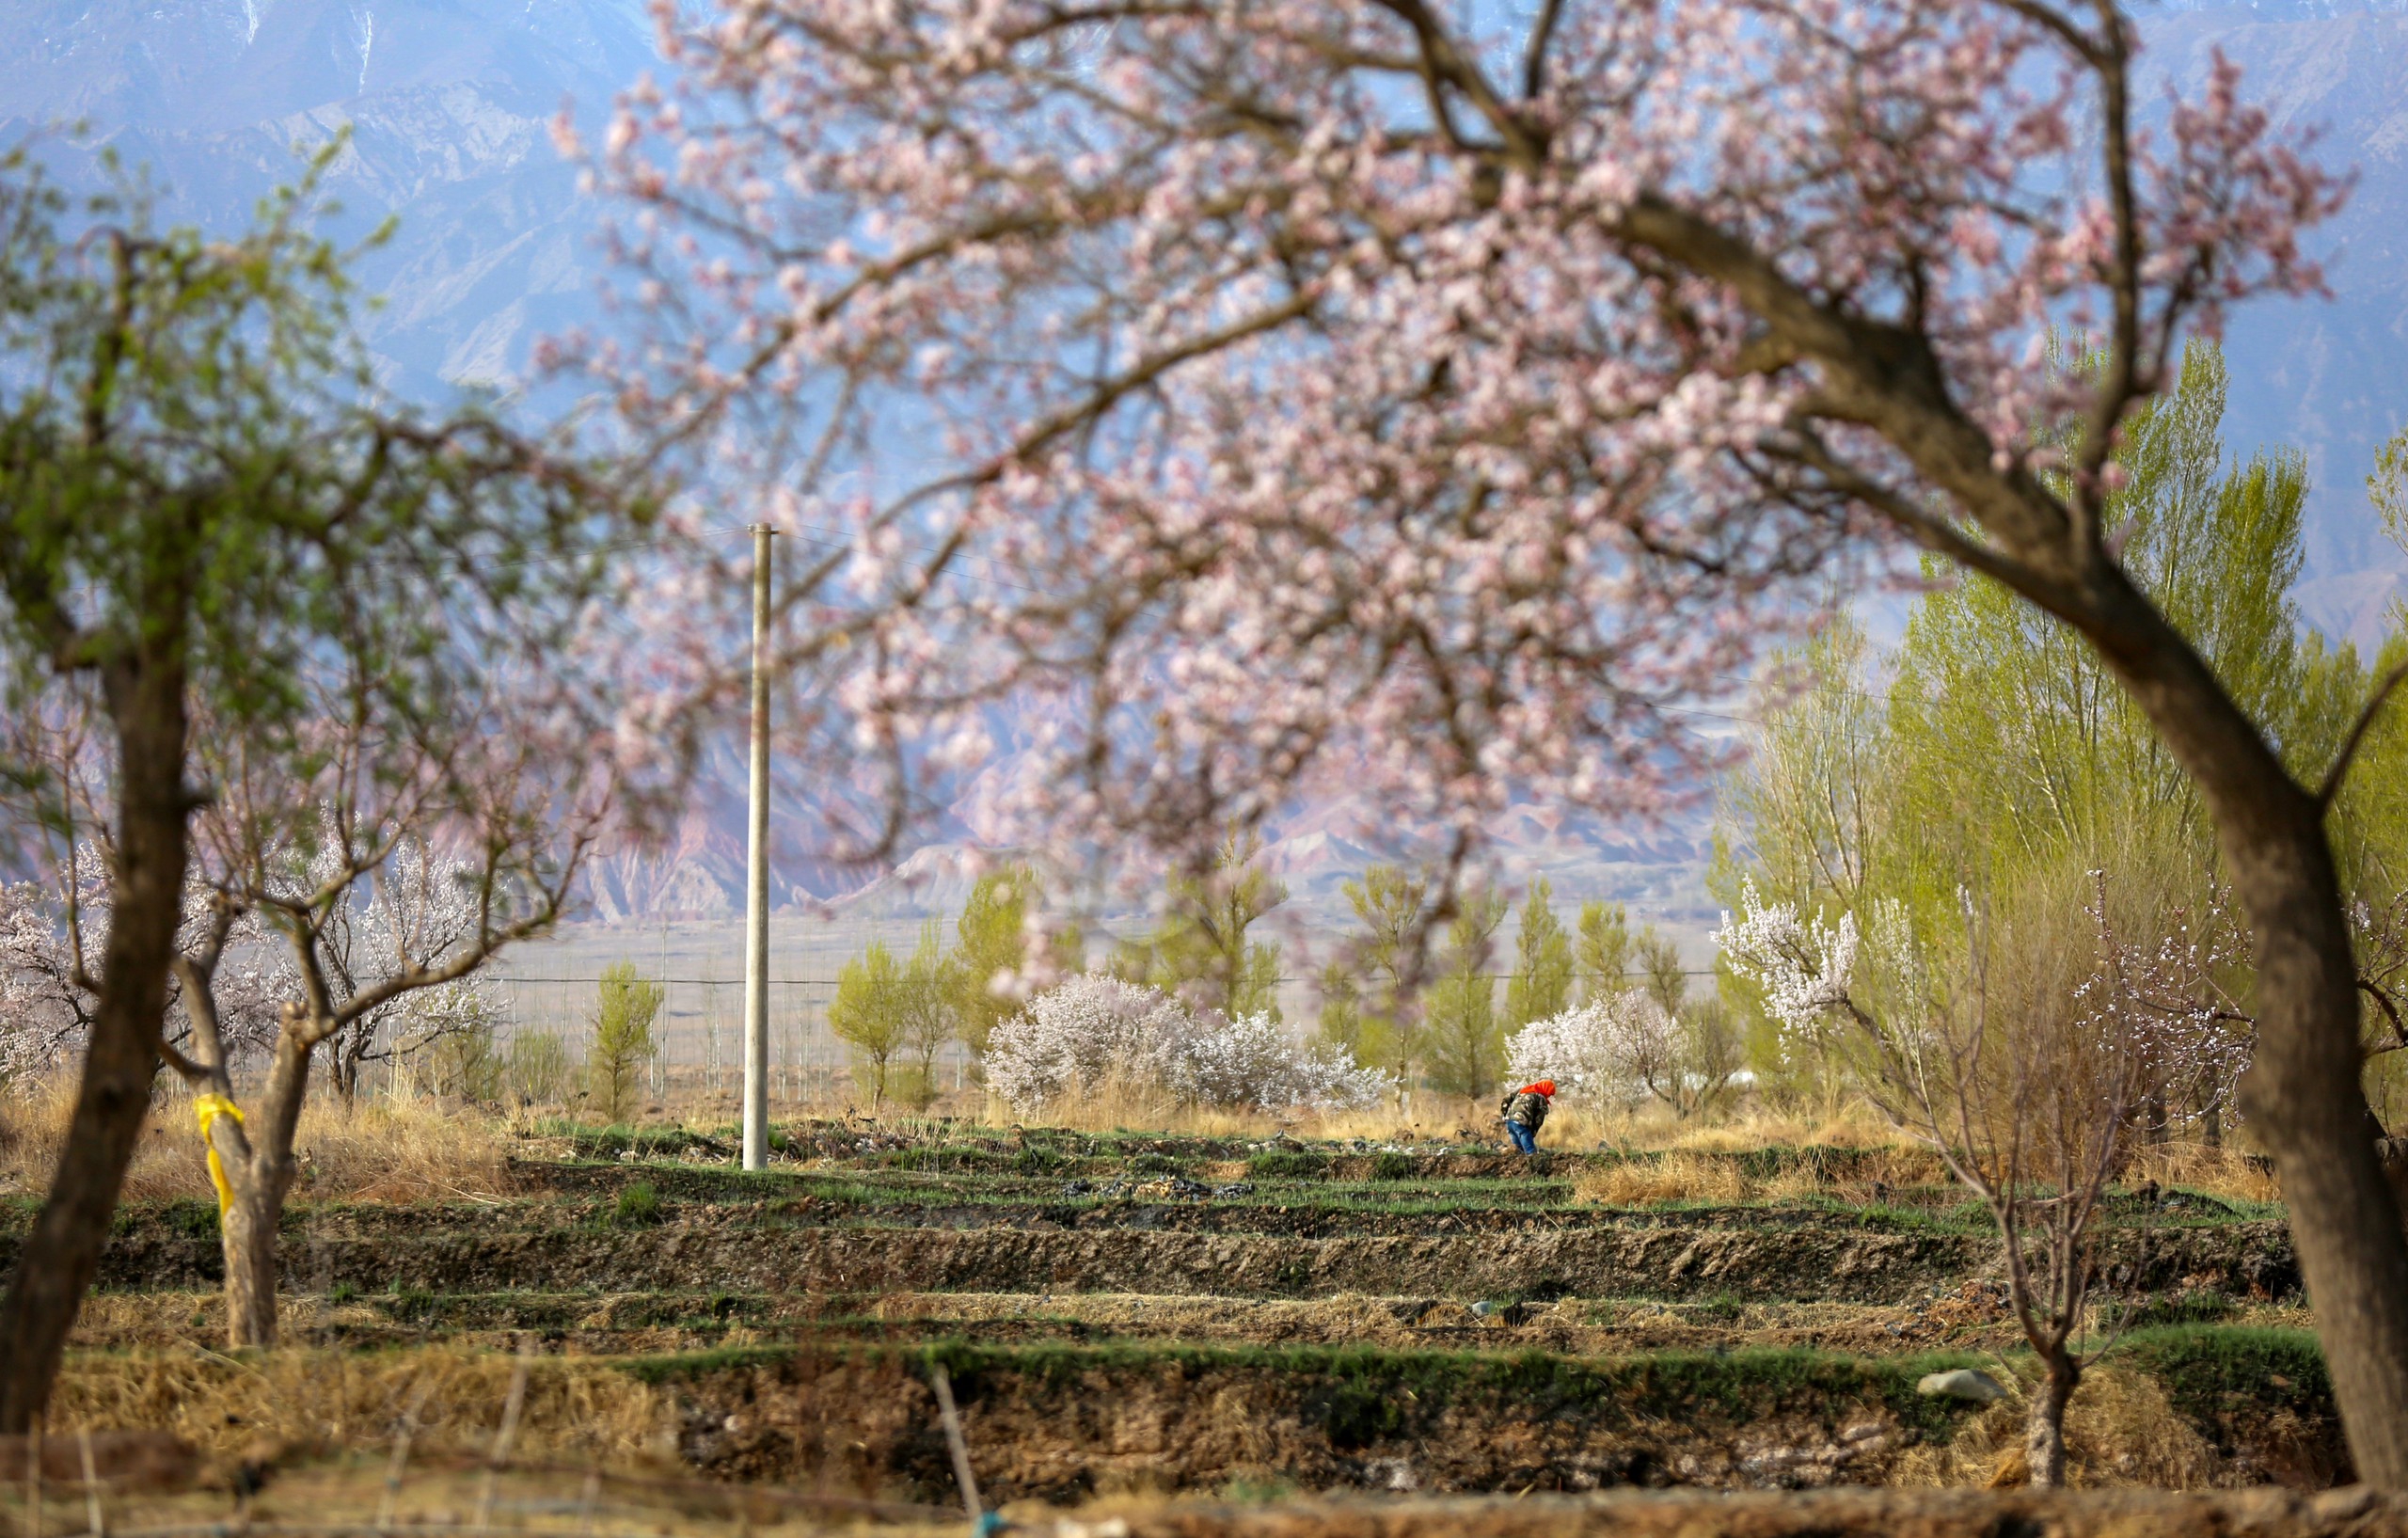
{"type": "Point", "coordinates": [476, 1250]}
{"type": "Point", "coordinates": [2352, 1513]}
{"type": "Point", "coordinates": [1064, 1426]}
{"type": "Point", "coordinates": [1135, 1321]}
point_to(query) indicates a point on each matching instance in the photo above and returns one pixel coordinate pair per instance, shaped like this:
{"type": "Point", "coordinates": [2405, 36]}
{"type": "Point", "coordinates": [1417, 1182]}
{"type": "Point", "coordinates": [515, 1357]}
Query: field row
{"type": "Point", "coordinates": [487, 1251]}
{"type": "Point", "coordinates": [1058, 1422]}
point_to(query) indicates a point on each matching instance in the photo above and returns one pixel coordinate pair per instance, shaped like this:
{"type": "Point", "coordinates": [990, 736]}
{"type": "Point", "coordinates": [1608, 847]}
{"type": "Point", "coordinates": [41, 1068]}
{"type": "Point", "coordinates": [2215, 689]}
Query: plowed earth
{"type": "Point", "coordinates": [1167, 1315]}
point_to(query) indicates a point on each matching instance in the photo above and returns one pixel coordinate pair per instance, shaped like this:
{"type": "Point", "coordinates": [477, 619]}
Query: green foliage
{"type": "Point", "coordinates": [191, 1219]}
{"type": "Point", "coordinates": [867, 1015]}
{"type": "Point", "coordinates": [1604, 955]}
{"type": "Point", "coordinates": [1660, 971]}
{"type": "Point", "coordinates": [1462, 1040]}
{"type": "Point", "coordinates": [2209, 1370]}
{"type": "Point", "coordinates": [990, 940]}
{"type": "Point", "coordinates": [2202, 1306]}
{"type": "Point", "coordinates": [1287, 1164]}
{"type": "Point", "coordinates": [931, 992]}
{"type": "Point", "coordinates": [896, 1015]}
{"type": "Point", "coordinates": [1341, 1009]}
{"type": "Point", "coordinates": [1036, 1159]}
{"type": "Point", "coordinates": [209, 496]}
{"type": "Point", "coordinates": [466, 1061]}
{"type": "Point", "coordinates": [1201, 951]}
{"type": "Point", "coordinates": [1966, 787]}
{"type": "Point", "coordinates": [2387, 487]}
{"type": "Point", "coordinates": [1541, 986]}
{"type": "Point", "coordinates": [537, 1068]}
{"type": "Point", "coordinates": [1380, 1021]}
{"type": "Point", "coordinates": [2002, 753]}
{"type": "Point", "coordinates": [625, 1008]}
{"type": "Point", "coordinates": [638, 1206]}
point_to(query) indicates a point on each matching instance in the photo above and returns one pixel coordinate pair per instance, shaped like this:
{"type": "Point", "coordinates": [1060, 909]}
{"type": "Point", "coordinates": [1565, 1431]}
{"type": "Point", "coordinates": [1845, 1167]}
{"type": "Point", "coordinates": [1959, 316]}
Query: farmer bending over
{"type": "Point", "coordinates": [1525, 1112]}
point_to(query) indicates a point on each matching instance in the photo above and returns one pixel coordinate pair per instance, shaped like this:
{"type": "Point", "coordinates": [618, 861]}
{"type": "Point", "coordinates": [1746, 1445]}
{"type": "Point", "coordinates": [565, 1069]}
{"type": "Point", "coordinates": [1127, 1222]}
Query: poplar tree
{"type": "Point", "coordinates": [1463, 1041]}
{"type": "Point", "coordinates": [625, 1003]}
{"type": "Point", "coordinates": [1603, 955]}
{"type": "Point", "coordinates": [1541, 986]}
{"type": "Point", "coordinates": [1382, 1020]}
{"type": "Point", "coordinates": [991, 940]}
{"type": "Point", "coordinates": [871, 1014]}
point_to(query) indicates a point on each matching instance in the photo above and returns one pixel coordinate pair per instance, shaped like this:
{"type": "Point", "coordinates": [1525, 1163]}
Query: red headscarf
{"type": "Point", "coordinates": [1544, 1087]}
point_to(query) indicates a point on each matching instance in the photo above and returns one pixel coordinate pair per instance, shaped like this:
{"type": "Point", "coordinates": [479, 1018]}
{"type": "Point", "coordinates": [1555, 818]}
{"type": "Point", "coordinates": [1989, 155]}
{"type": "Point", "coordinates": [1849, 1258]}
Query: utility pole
{"type": "Point", "coordinates": [757, 878]}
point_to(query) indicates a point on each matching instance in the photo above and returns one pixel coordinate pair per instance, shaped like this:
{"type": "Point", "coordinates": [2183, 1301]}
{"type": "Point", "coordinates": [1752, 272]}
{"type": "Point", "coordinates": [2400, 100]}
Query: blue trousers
{"type": "Point", "coordinates": [1524, 1138]}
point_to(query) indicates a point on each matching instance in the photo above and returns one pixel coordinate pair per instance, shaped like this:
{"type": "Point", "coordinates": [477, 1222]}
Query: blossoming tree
{"type": "Point", "coordinates": [1095, 1034]}
{"type": "Point", "coordinates": [2017, 1059]}
{"type": "Point", "coordinates": [367, 930]}
{"type": "Point", "coordinates": [236, 574]}
{"type": "Point", "coordinates": [1486, 386]}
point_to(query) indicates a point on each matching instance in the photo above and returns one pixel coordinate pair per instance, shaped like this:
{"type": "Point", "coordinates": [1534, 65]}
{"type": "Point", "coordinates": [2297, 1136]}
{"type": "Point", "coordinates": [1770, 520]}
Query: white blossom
{"type": "Point", "coordinates": [1095, 1032]}
{"type": "Point", "coordinates": [1091, 1032]}
{"type": "Point", "coordinates": [1804, 966]}
{"type": "Point", "coordinates": [1619, 1048]}
{"type": "Point", "coordinates": [1250, 1062]}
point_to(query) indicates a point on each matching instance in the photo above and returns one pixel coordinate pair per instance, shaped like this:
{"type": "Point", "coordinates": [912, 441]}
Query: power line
{"type": "Point", "coordinates": [831, 982]}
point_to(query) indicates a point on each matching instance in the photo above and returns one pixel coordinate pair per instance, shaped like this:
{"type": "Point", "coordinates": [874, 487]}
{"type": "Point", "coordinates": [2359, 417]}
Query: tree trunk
{"type": "Point", "coordinates": [2304, 1090]}
{"type": "Point", "coordinates": [61, 1255]}
{"type": "Point", "coordinates": [2044, 1429]}
{"type": "Point", "coordinates": [248, 1229]}
{"type": "Point", "coordinates": [342, 1064]}
{"type": "Point", "coordinates": [248, 1232]}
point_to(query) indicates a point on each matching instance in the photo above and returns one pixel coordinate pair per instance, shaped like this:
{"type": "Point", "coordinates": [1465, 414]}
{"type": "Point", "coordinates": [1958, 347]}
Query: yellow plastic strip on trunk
{"type": "Point", "coordinates": [208, 1108]}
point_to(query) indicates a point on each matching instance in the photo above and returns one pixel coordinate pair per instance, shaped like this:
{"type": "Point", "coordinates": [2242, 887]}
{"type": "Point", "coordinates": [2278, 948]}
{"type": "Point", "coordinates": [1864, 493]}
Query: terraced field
{"type": "Point", "coordinates": [1144, 1313]}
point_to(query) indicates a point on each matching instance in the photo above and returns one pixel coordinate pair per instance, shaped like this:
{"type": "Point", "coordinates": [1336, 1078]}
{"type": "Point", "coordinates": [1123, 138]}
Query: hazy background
{"type": "Point", "coordinates": [449, 101]}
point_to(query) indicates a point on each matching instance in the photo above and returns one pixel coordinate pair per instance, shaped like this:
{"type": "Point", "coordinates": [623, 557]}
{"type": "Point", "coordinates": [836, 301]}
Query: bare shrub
{"type": "Point", "coordinates": [2012, 1044]}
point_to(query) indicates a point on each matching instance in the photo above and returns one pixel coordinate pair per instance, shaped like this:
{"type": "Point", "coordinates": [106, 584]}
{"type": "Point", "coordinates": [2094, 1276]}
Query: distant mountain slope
{"type": "Point", "coordinates": [449, 101]}
{"type": "Point", "coordinates": [2329, 377]}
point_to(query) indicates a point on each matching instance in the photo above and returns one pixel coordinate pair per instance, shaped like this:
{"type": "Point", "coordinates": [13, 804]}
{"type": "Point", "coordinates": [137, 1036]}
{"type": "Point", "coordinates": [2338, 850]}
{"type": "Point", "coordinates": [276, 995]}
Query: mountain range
{"type": "Point", "coordinates": [448, 103]}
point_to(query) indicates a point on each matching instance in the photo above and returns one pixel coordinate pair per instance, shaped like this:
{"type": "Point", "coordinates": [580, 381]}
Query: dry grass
{"type": "Point", "coordinates": [385, 1150]}
{"type": "Point", "coordinates": [2221, 1171]}
{"type": "Point", "coordinates": [1676, 1176]}
{"type": "Point", "coordinates": [324, 1402]}
{"type": "Point", "coordinates": [345, 1498]}
{"type": "Point", "coordinates": [2120, 1430]}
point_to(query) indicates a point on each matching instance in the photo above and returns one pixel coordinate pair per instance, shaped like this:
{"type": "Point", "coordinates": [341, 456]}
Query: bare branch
{"type": "Point", "coordinates": [1534, 52]}
{"type": "Point", "coordinates": [2331, 786]}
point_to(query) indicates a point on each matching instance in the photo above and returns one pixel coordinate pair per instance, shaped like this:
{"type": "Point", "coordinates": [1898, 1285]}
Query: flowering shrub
{"type": "Point", "coordinates": [1569, 1048]}
{"type": "Point", "coordinates": [46, 1012]}
{"type": "Point", "coordinates": [1804, 966]}
{"type": "Point", "coordinates": [1625, 1047]}
{"type": "Point", "coordinates": [1095, 1031]}
{"type": "Point", "coordinates": [1250, 1062]}
{"type": "Point", "coordinates": [1091, 1031]}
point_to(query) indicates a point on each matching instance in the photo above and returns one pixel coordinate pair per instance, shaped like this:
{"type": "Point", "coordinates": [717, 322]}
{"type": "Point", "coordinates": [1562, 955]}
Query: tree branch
{"type": "Point", "coordinates": [1535, 53]}
{"type": "Point", "coordinates": [2333, 776]}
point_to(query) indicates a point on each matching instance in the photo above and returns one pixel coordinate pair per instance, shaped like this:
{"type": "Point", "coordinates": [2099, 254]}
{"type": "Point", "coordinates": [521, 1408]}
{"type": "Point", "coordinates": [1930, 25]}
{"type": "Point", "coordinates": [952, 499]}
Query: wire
{"type": "Point", "coordinates": [833, 982]}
